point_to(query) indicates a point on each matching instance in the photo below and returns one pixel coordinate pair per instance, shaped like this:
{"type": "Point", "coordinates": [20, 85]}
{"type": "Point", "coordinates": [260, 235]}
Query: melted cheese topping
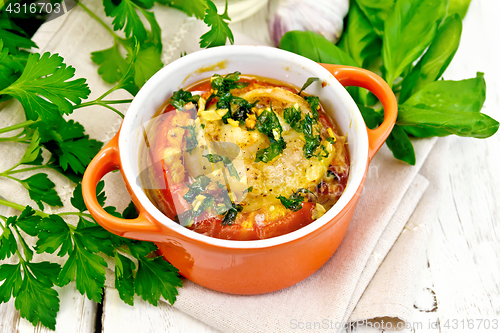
{"type": "Point", "coordinates": [281, 176]}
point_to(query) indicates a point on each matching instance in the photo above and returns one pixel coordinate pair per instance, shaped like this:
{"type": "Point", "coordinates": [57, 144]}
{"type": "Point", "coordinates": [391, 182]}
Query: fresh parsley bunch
{"type": "Point", "coordinates": [410, 43]}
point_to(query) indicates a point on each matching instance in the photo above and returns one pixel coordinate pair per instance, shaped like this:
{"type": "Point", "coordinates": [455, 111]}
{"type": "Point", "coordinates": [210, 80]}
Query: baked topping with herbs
{"type": "Point", "coordinates": [244, 157]}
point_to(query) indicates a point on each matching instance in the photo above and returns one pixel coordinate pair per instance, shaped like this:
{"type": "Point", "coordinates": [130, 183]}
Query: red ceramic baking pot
{"type": "Point", "coordinates": [243, 267]}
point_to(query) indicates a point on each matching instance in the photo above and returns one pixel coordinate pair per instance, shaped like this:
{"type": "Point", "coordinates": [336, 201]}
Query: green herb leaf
{"type": "Point", "coordinates": [54, 233]}
{"type": "Point", "coordinates": [315, 47]}
{"type": "Point", "coordinates": [181, 97]}
{"type": "Point", "coordinates": [293, 116]}
{"type": "Point", "coordinates": [463, 95]}
{"type": "Point", "coordinates": [87, 268]}
{"type": "Point", "coordinates": [231, 214]}
{"type": "Point", "coordinates": [219, 30]}
{"type": "Point", "coordinates": [13, 37]}
{"type": "Point", "coordinates": [44, 90]}
{"type": "Point", "coordinates": [376, 12]}
{"type": "Point", "coordinates": [190, 138]}
{"type": "Point", "coordinates": [408, 31]}
{"type": "Point", "coordinates": [41, 189]}
{"type": "Point", "coordinates": [190, 7]}
{"type": "Point", "coordinates": [33, 154]}
{"type": "Point", "coordinates": [459, 7]}
{"type": "Point", "coordinates": [124, 278]}
{"type": "Point", "coordinates": [308, 83]}
{"type": "Point", "coordinates": [470, 124]}
{"type": "Point", "coordinates": [372, 118]}
{"type": "Point", "coordinates": [126, 18]}
{"type": "Point", "coordinates": [11, 275]}
{"type": "Point", "coordinates": [268, 124]}
{"type": "Point", "coordinates": [199, 185]}
{"type": "Point", "coordinates": [294, 201]}
{"type": "Point", "coordinates": [155, 278]}
{"type": "Point", "coordinates": [400, 145]}
{"type": "Point", "coordinates": [27, 221]}
{"type": "Point", "coordinates": [435, 60]}
{"type": "Point", "coordinates": [360, 40]}
{"type": "Point", "coordinates": [312, 141]}
{"type": "Point", "coordinates": [147, 63]}
{"type": "Point", "coordinates": [314, 104]}
{"type": "Point", "coordinates": [112, 65]}
{"type": "Point", "coordinates": [214, 158]}
{"type": "Point", "coordinates": [69, 145]}
{"type": "Point", "coordinates": [36, 300]}
{"type": "Point", "coordinates": [8, 243]}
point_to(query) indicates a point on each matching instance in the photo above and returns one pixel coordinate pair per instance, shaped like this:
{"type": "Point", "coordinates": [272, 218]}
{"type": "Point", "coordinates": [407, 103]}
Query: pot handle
{"type": "Point", "coordinates": [107, 160]}
{"type": "Point", "coordinates": [354, 76]}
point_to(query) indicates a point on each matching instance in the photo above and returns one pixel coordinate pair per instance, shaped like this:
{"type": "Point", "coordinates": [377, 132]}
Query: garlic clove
{"type": "Point", "coordinates": [325, 17]}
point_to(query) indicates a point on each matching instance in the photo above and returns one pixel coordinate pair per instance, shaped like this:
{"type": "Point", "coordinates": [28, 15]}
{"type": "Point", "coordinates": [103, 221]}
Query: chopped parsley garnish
{"type": "Point", "coordinates": [314, 104]}
{"type": "Point", "coordinates": [268, 124]}
{"type": "Point", "coordinates": [199, 185]}
{"type": "Point", "coordinates": [312, 141]}
{"type": "Point", "coordinates": [223, 84]}
{"type": "Point", "coordinates": [191, 141]}
{"type": "Point", "coordinates": [294, 201]}
{"type": "Point", "coordinates": [182, 97]}
{"type": "Point", "coordinates": [292, 116]}
{"type": "Point", "coordinates": [231, 214]}
{"type": "Point", "coordinates": [214, 158]}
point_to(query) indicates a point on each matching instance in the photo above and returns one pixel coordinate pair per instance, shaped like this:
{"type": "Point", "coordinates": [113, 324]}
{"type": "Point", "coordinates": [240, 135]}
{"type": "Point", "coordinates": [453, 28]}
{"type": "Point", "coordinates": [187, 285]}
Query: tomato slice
{"type": "Point", "coordinates": [245, 228]}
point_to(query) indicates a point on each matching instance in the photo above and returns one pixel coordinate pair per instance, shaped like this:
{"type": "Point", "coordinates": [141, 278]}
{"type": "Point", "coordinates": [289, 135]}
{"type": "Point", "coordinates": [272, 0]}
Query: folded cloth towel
{"type": "Point", "coordinates": [392, 191]}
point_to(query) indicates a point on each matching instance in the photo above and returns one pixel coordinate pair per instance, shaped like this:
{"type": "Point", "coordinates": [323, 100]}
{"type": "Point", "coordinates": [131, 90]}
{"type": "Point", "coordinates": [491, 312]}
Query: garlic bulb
{"type": "Point", "coordinates": [325, 17]}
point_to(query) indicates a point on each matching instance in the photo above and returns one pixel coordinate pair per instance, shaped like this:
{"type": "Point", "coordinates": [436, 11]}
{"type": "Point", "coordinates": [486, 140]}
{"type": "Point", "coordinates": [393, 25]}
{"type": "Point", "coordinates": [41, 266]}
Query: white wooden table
{"type": "Point", "coordinates": [462, 280]}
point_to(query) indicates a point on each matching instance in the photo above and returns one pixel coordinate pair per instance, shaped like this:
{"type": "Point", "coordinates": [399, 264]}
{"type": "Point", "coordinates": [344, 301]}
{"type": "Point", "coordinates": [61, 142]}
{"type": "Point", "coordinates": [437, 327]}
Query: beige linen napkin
{"type": "Point", "coordinates": [392, 191]}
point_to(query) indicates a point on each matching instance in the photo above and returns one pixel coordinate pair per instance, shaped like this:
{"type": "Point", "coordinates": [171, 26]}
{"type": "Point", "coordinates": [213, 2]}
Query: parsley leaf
{"type": "Point", "coordinates": [33, 154]}
{"type": "Point", "coordinates": [156, 277]}
{"type": "Point", "coordinates": [219, 31]}
{"type": "Point", "coordinates": [112, 65]}
{"type": "Point", "coordinates": [13, 37]}
{"type": "Point", "coordinates": [69, 145]}
{"type": "Point", "coordinates": [11, 275]}
{"type": "Point", "coordinates": [190, 7]}
{"type": "Point", "coordinates": [124, 278]}
{"type": "Point", "coordinates": [37, 300]}
{"type": "Point", "coordinates": [214, 158]}
{"type": "Point", "coordinates": [126, 18]}
{"type": "Point", "coordinates": [41, 189]}
{"type": "Point", "coordinates": [44, 90]}
{"type": "Point", "coordinates": [8, 243]}
{"type": "Point", "coordinates": [148, 62]}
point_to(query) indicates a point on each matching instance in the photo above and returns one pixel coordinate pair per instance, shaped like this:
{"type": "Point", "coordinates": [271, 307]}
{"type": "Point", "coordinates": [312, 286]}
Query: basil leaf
{"type": "Point", "coordinates": [360, 40]}
{"type": "Point", "coordinates": [459, 7]}
{"type": "Point", "coordinates": [315, 47]}
{"type": "Point", "coordinates": [308, 83]}
{"type": "Point", "coordinates": [435, 60]}
{"type": "Point", "coordinates": [199, 185]}
{"type": "Point", "coordinates": [376, 12]}
{"type": "Point", "coordinates": [400, 145]}
{"type": "Point", "coordinates": [372, 118]}
{"type": "Point", "coordinates": [408, 31]}
{"type": "Point", "coordinates": [470, 124]}
{"type": "Point", "coordinates": [463, 95]}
